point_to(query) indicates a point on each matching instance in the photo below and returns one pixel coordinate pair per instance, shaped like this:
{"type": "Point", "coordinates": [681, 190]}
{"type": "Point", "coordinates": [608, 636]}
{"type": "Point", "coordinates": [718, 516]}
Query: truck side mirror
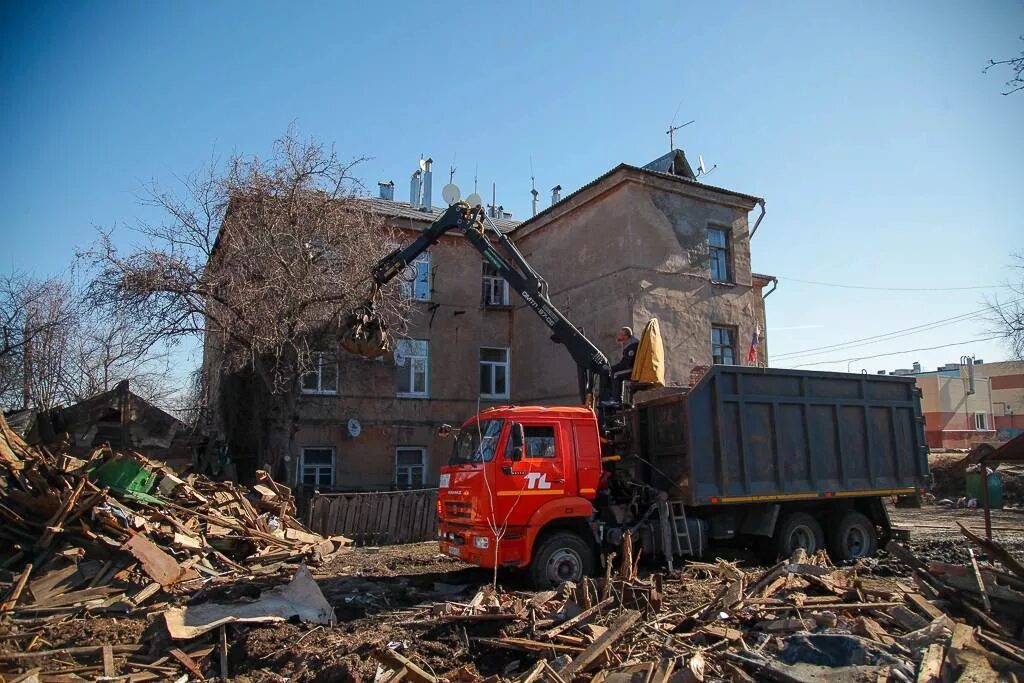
{"type": "Point", "coordinates": [518, 437]}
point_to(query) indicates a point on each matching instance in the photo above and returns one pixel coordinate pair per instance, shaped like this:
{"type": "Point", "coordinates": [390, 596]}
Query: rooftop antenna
{"type": "Point", "coordinates": [476, 169]}
{"type": "Point", "coordinates": [451, 171]}
{"type": "Point", "coordinates": [671, 135]}
{"type": "Point", "coordinates": [701, 170]}
{"type": "Point", "coordinates": [533, 187]}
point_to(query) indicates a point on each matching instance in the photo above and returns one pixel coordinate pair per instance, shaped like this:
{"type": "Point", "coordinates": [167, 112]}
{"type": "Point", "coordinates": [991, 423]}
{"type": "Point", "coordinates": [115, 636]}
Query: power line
{"type": "Point", "coordinates": [896, 353]}
{"type": "Point", "coordinates": [895, 334]}
{"type": "Point", "coordinates": [889, 289]}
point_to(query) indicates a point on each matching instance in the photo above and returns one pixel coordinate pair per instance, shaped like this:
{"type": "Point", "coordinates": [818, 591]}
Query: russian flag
{"type": "Point", "coordinates": [752, 355]}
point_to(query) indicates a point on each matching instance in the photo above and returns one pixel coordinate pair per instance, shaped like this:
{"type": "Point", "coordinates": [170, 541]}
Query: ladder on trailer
{"type": "Point", "coordinates": [675, 532]}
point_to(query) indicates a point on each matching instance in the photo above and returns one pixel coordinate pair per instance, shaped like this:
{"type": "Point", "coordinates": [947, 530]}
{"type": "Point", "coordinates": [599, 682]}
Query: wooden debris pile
{"type": "Point", "coordinates": [801, 620]}
{"type": "Point", "coordinates": [71, 545]}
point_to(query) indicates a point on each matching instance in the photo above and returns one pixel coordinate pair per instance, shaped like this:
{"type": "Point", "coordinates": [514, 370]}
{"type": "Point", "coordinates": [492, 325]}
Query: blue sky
{"type": "Point", "coordinates": [886, 157]}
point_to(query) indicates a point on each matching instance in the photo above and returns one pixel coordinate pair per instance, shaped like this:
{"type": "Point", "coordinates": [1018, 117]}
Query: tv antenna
{"type": "Point", "coordinates": [451, 171]}
{"type": "Point", "coordinates": [671, 135]}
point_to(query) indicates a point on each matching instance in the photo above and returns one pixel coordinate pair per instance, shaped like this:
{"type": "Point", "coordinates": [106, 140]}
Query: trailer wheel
{"type": "Point", "coordinates": [852, 538]}
{"type": "Point", "coordinates": [798, 530]}
{"type": "Point", "coordinates": [563, 556]}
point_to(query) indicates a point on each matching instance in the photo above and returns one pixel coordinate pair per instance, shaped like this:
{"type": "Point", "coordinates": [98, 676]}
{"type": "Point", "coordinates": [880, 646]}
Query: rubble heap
{"type": "Point", "coordinates": [118, 534]}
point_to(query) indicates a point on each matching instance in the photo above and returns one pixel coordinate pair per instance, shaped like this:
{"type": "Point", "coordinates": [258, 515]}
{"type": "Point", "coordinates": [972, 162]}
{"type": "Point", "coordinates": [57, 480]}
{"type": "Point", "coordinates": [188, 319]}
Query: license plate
{"type": "Point", "coordinates": [455, 551]}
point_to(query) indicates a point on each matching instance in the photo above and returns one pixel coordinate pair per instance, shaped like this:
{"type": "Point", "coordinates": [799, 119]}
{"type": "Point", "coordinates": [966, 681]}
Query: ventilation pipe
{"type": "Point", "coordinates": [535, 201]}
{"type": "Point", "coordinates": [556, 194]}
{"type": "Point", "coordinates": [415, 186]}
{"type": "Point", "coordinates": [427, 204]}
{"type": "Point", "coordinates": [387, 190]}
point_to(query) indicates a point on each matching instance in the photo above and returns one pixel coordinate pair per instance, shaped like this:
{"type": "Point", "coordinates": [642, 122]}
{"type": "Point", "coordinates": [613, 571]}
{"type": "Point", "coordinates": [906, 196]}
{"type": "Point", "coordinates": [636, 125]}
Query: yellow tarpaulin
{"type": "Point", "coordinates": [649, 366]}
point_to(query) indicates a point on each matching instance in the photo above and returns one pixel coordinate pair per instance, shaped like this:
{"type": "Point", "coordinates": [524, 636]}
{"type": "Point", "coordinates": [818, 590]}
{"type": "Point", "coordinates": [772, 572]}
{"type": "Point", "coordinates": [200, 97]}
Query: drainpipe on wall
{"type": "Point", "coordinates": [760, 202]}
{"type": "Point", "coordinates": [775, 283]}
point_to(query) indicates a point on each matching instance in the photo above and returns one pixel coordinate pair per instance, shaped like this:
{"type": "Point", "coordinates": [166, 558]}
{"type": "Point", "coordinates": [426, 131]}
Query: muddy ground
{"type": "Point", "coordinates": [382, 596]}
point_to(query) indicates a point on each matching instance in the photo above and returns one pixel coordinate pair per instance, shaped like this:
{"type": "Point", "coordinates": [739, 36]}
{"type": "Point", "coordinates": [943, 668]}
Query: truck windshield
{"type": "Point", "coordinates": [476, 442]}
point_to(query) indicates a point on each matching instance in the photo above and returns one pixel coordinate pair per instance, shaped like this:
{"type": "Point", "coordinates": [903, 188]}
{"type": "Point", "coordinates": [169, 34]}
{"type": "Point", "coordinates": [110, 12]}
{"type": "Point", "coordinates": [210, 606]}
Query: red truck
{"type": "Point", "coordinates": [779, 459]}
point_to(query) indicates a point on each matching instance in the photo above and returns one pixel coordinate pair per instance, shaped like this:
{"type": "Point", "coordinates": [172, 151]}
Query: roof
{"type": "Point", "coordinates": [646, 171]}
{"type": "Point", "coordinates": [388, 207]}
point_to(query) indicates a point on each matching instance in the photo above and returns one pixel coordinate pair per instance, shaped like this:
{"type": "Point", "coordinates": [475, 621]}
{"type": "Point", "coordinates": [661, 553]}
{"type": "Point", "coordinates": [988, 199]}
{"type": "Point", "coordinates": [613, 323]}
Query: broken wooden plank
{"type": "Point", "coordinates": [996, 550]}
{"type": "Point", "coordinates": [396, 661]}
{"type": "Point", "coordinates": [187, 662]}
{"type": "Point", "coordinates": [930, 670]}
{"type": "Point", "coordinates": [579, 619]}
{"type": "Point", "coordinates": [15, 593]}
{"type": "Point", "coordinates": [108, 662]}
{"type": "Point", "coordinates": [599, 646]}
{"type": "Point", "coordinates": [924, 606]}
{"type": "Point", "coordinates": [84, 650]}
{"type": "Point", "coordinates": [224, 652]}
{"type": "Point", "coordinates": [981, 584]}
{"type": "Point", "coordinates": [528, 645]}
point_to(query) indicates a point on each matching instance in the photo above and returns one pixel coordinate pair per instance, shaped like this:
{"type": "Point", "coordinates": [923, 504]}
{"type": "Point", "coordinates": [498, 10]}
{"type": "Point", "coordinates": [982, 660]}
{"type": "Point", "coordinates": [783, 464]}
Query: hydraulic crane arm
{"type": "Point", "coordinates": [471, 222]}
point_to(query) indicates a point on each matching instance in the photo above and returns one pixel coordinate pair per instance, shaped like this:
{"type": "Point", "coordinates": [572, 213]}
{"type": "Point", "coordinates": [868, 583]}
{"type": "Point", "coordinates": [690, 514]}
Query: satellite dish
{"type": "Point", "coordinates": [354, 428]}
{"type": "Point", "coordinates": [423, 164]}
{"type": "Point", "coordinates": [451, 193]}
{"type": "Point", "coordinates": [700, 164]}
{"type": "Point", "coordinates": [474, 200]}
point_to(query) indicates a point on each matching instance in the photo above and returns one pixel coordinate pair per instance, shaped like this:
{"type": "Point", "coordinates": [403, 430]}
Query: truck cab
{"type": "Point", "coordinates": [518, 477]}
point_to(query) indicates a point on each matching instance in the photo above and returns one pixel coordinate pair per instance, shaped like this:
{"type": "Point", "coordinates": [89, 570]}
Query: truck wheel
{"type": "Point", "coordinates": [563, 556]}
{"type": "Point", "coordinates": [798, 530]}
{"type": "Point", "coordinates": [852, 538]}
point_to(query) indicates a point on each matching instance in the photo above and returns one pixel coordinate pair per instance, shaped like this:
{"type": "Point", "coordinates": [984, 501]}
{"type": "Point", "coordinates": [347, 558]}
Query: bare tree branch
{"type": "Point", "coordinates": [1016, 66]}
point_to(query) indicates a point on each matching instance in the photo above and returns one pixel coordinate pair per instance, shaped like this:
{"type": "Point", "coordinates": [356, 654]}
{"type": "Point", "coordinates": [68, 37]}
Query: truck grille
{"type": "Point", "coordinates": [454, 509]}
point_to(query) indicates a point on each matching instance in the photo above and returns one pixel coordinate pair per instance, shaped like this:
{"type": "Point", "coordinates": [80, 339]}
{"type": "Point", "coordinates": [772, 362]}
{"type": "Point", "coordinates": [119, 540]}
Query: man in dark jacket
{"type": "Point", "coordinates": [622, 370]}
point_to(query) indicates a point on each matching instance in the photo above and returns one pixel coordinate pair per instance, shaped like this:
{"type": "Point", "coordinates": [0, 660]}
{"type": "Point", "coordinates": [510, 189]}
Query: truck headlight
{"type": "Point", "coordinates": [481, 542]}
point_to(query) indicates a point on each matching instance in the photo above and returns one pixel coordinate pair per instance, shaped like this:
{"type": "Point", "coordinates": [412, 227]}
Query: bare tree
{"type": "Point", "coordinates": [56, 350]}
{"type": "Point", "coordinates": [263, 259]}
{"type": "Point", "coordinates": [1016, 66]}
{"type": "Point", "coordinates": [1007, 316]}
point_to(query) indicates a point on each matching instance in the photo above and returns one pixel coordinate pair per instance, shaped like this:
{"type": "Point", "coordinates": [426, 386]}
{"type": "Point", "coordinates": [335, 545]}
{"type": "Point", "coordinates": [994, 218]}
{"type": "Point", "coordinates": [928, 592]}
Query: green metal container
{"type": "Point", "coordinates": [995, 489]}
{"type": "Point", "coordinates": [125, 476]}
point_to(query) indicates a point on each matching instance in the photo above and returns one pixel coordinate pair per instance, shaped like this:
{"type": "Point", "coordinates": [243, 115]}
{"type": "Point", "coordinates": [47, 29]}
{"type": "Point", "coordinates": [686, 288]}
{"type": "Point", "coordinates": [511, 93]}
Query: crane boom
{"type": "Point", "coordinates": [592, 365]}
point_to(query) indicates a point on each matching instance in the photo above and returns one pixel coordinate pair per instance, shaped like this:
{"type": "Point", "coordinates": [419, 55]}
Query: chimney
{"type": "Point", "coordinates": [387, 190]}
{"type": "Point", "coordinates": [556, 194]}
{"type": "Point", "coordinates": [917, 367]}
{"type": "Point", "coordinates": [535, 195]}
{"type": "Point", "coordinates": [427, 178]}
{"type": "Point", "coordinates": [415, 185]}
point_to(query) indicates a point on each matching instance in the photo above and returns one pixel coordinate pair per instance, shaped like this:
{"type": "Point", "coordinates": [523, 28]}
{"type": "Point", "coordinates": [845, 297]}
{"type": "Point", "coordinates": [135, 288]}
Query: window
{"type": "Point", "coordinates": [723, 345]}
{"type": "Point", "coordinates": [318, 466]}
{"type": "Point", "coordinates": [415, 280]}
{"type": "Point", "coordinates": [718, 250]}
{"type": "Point", "coordinates": [323, 378]}
{"type": "Point", "coordinates": [412, 366]}
{"type": "Point", "coordinates": [493, 373]}
{"type": "Point", "coordinates": [410, 469]}
{"type": "Point", "coordinates": [495, 289]}
{"type": "Point", "coordinates": [980, 422]}
{"type": "Point", "coordinates": [476, 442]}
{"type": "Point", "coordinates": [540, 443]}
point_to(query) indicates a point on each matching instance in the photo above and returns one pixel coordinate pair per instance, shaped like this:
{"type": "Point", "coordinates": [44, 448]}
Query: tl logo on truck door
{"type": "Point", "coordinates": [537, 480]}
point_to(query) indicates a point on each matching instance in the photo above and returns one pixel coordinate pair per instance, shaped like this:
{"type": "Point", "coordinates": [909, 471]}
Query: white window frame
{"type": "Point", "coordinates": [981, 425]}
{"type": "Point", "coordinates": [508, 370]}
{"type": "Point", "coordinates": [490, 284]}
{"type": "Point", "coordinates": [318, 468]}
{"type": "Point", "coordinates": [409, 365]}
{"type": "Point", "coordinates": [409, 483]}
{"type": "Point", "coordinates": [317, 360]}
{"type": "Point", "coordinates": [407, 285]}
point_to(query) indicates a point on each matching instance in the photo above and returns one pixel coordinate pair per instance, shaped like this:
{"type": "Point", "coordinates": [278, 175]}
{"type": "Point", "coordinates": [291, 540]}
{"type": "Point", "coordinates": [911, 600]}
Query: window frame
{"type": "Point", "coordinates": [726, 252]}
{"type": "Point", "coordinates": [319, 372]}
{"type": "Point", "coordinates": [491, 280]}
{"type": "Point", "coordinates": [332, 468]}
{"type": "Point", "coordinates": [422, 466]}
{"type": "Point", "coordinates": [733, 336]}
{"type": "Point", "coordinates": [508, 371]}
{"type": "Point", "coordinates": [526, 450]}
{"type": "Point", "coordinates": [983, 426]}
{"type": "Point", "coordinates": [409, 368]}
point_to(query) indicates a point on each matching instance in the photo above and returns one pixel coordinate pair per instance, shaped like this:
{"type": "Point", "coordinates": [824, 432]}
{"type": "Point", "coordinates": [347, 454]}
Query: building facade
{"type": "Point", "coordinates": [635, 243]}
{"type": "Point", "coordinates": [1006, 383]}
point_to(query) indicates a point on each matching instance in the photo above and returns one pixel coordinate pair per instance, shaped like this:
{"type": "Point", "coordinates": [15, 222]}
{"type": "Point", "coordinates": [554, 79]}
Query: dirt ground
{"type": "Point", "coordinates": [384, 596]}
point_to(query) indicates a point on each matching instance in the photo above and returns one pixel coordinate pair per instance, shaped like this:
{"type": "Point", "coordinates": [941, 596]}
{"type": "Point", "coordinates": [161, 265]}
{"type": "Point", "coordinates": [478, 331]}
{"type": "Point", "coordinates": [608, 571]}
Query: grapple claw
{"type": "Point", "coordinates": [365, 334]}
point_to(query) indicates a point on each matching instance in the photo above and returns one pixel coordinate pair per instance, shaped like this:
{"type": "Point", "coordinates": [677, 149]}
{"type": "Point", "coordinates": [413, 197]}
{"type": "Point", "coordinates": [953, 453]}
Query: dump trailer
{"type": "Point", "coordinates": [774, 459]}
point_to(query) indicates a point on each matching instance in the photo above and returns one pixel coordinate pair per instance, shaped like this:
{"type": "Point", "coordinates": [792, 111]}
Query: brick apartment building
{"type": "Point", "coordinates": [635, 243]}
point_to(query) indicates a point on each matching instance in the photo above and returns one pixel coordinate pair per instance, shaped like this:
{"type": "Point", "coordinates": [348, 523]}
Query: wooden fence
{"type": "Point", "coordinates": [381, 518]}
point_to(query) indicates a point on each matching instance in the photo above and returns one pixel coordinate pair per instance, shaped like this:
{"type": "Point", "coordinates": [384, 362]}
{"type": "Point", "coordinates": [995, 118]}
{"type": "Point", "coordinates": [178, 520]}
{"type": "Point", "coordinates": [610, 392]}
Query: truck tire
{"type": "Point", "coordinates": [852, 538]}
{"type": "Point", "coordinates": [798, 530]}
{"type": "Point", "coordinates": [562, 556]}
